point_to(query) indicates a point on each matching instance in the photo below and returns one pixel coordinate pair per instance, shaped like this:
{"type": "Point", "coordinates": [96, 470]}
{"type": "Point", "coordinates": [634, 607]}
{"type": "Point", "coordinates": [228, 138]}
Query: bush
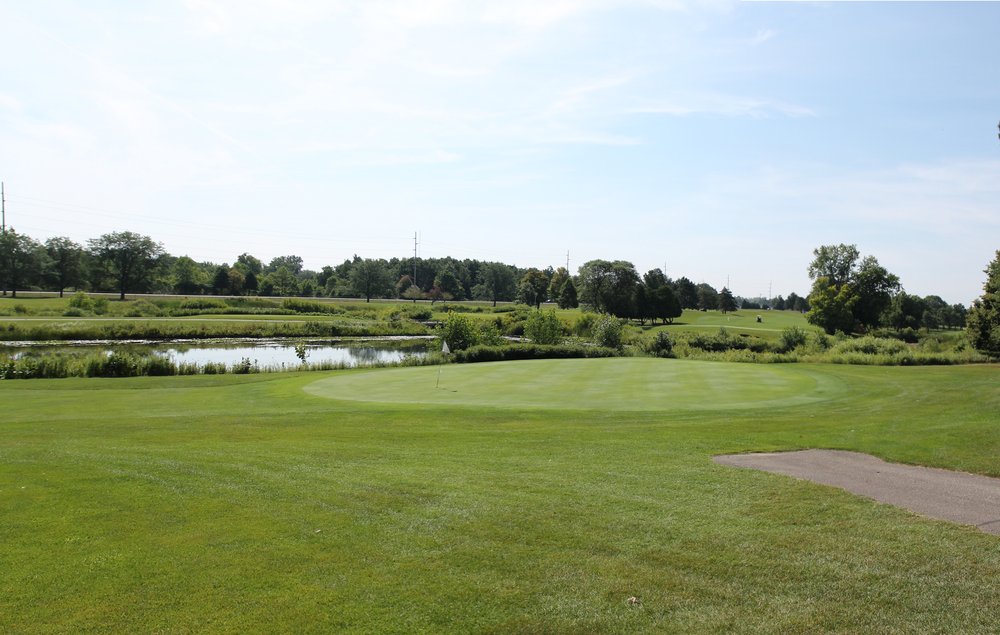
{"type": "Point", "coordinates": [584, 325]}
{"type": "Point", "coordinates": [459, 332]}
{"type": "Point", "coordinates": [201, 304]}
{"type": "Point", "coordinates": [142, 308]}
{"type": "Point", "coordinates": [73, 312]}
{"type": "Point", "coordinates": [792, 338]}
{"type": "Point", "coordinates": [82, 301]}
{"type": "Point", "coordinates": [608, 332]}
{"type": "Point", "coordinates": [662, 345]}
{"type": "Point", "coordinates": [100, 306]}
{"type": "Point", "coordinates": [543, 327]}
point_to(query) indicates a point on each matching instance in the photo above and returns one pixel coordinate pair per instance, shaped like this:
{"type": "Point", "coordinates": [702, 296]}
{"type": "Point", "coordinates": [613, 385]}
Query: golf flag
{"type": "Point", "coordinates": [444, 348]}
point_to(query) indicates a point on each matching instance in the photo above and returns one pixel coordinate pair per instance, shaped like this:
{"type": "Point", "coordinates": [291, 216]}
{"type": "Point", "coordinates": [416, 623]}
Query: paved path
{"type": "Point", "coordinates": [959, 497]}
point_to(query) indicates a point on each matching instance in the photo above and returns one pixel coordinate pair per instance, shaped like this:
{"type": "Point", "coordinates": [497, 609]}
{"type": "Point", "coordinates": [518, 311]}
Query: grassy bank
{"type": "Point", "coordinates": [271, 503]}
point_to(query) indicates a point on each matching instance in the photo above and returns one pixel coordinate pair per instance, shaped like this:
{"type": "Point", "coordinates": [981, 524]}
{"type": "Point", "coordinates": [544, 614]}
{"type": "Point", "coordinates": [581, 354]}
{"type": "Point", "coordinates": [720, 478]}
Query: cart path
{"type": "Point", "coordinates": [959, 497]}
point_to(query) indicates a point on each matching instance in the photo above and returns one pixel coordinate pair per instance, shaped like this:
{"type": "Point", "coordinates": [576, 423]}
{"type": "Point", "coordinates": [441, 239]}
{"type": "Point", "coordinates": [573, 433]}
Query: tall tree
{"type": "Point", "coordinates": [567, 295]}
{"type": "Point", "coordinates": [708, 297]}
{"type": "Point", "coordinates": [370, 279]}
{"type": "Point", "coordinates": [727, 303]}
{"type": "Point", "coordinates": [687, 293]}
{"type": "Point", "coordinates": [65, 263]}
{"type": "Point", "coordinates": [832, 306]}
{"type": "Point", "coordinates": [131, 258]}
{"type": "Point", "coordinates": [556, 282]}
{"type": "Point", "coordinates": [20, 257]}
{"type": "Point", "coordinates": [497, 280]}
{"type": "Point", "coordinates": [983, 318]}
{"type": "Point", "coordinates": [188, 277]}
{"type": "Point", "coordinates": [874, 286]}
{"type": "Point", "coordinates": [292, 263]}
{"type": "Point", "coordinates": [834, 262]}
{"type": "Point", "coordinates": [533, 288]}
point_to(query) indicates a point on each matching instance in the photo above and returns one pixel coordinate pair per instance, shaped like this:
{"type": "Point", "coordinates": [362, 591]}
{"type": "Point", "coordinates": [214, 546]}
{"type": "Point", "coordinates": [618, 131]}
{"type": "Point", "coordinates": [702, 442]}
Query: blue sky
{"type": "Point", "coordinates": [722, 139]}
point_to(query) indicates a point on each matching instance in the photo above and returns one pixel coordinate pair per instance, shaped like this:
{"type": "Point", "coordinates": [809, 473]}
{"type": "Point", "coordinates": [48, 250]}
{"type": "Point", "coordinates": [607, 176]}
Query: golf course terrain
{"type": "Point", "coordinates": [535, 496]}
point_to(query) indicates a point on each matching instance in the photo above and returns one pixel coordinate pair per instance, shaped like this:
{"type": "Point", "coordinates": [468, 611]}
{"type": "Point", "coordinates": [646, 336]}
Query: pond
{"type": "Point", "coordinates": [262, 353]}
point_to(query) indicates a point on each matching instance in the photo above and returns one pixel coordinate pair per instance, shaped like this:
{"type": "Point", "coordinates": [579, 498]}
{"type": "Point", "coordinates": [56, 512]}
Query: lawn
{"type": "Point", "coordinates": [525, 496]}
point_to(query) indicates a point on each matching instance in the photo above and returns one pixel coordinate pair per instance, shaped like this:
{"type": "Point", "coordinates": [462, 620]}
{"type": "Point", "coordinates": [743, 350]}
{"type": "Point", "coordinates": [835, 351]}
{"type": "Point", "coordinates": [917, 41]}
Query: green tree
{"type": "Point", "coordinates": [20, 257]}
{"type": "Point", "coordinates": [448, 284]}
{"type": "Point", "coordinates": [65, 263]}
{"type": "Point", "coordinates": [727, 303]}
{"type": "Point", "coordinates": [567, 295]}
{"type": "Point", "coordinates": [556, 282]}
{"type": "Point", "coordinates": [188, 277]}
{"type": "Point", "coordinates": [292, 263]}
{"type": "Point", "coordinates": [831, 306]}
{"type": "Point", "coordinates": [130, 257]}
{"type": "Point", "coordinates": [666, 306]}
{"type": "Point", "coordinates": [708, 297]}
{"type": "Point", "coordinates": [220, 282]}
{"type": "Point", "coordinates": [248, 264]}
{"type": "Point", "coordinates": [497, 280]}
{"type": "Point", "coordinates": [836, 263]}
{"type": "Point", "coordinates": [282, 282]}
{"type": "Point", "coordinates": [874, 286]}
{"type": "Point", "coordinates": [532, 288]}
{"type": "Point", "coordinates": [905, 311]}
{"type": "Point", "coordinates": [687, 293]}
{"type": "Point", "coordinates": [370, 278]}
{"type": "Point", "coordinates": [983, 317]}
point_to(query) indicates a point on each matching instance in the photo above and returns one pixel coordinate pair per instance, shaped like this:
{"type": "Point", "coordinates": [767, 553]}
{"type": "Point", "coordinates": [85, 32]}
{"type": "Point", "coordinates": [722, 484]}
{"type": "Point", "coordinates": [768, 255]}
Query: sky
{"type": "Point", "coordinates": [720, 140]}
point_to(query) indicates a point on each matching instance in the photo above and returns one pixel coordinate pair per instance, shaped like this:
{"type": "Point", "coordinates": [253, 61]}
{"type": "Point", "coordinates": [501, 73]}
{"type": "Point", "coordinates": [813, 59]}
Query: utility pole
{"type": "Point", "coordinates": [414, 258]}
{"type": "Point", "coordinates": [3, 210]}
{"type": "Point", "coordinates": [567, 261]}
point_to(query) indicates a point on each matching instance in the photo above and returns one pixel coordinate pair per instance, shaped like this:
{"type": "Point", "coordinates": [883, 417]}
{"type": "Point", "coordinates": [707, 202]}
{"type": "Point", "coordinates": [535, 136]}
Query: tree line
{"type": "Point", "coordinates": [127, 262]}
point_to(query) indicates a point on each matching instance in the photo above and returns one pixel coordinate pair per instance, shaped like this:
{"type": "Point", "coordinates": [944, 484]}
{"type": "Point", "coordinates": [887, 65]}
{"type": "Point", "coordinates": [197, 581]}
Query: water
{"type": "Point", "coordinates": [263, 353]}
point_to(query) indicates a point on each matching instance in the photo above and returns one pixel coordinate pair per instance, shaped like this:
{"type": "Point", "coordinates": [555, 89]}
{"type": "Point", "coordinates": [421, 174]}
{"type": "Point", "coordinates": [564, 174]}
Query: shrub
{"type": "Point", "coordinates": [608, 332]}
{"type": "Point", "coordinates": [489, 335]}
{"type": "Point", "coordinates": [530, 351]}
{"type": "Point", "coordinates": [73, 312]}
{"type": "Point", "coordinates": [792, 338]}
{"type": "Point", "coordinates": [82, 301]}
{"type": "Point", "coordinates": [459, 332]}
{"type": "Point", "coordinates": [101, 306]}
{"type": "Point", "coordinates": [662, 345]}
{"type": "Point", "coordinates": [584, 325]}
{"type": "Point", "coordinates": [543, 327]}
{"type": "Point", "coordinates": [201, 304]}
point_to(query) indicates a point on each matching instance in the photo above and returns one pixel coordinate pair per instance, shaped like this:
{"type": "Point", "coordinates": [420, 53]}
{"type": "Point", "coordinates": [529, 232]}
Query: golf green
{"type": "Point", "coordinates": [604, 384]}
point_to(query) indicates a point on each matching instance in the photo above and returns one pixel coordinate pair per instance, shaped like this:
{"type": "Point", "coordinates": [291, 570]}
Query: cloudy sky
{"type": "Point", "coordinates": [721, 139]}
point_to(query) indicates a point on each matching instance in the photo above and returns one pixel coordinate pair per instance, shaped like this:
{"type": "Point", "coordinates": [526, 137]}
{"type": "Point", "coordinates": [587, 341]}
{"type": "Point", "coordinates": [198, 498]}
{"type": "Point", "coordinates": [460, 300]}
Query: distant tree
{"type": "Point", "coordinates": [130, 258]}
{"type": "Point", "coordinates": [458, 332]}
{"type": "Point", "coordinates": [567, 295]}
{"type": "Point", "coordinates": [404, 283]}
{"type": "Point", "coordinates": [65, 263]}
{"type": "Point", "coordinates": [874, 286]}
{"type": "Point", "coordinates": [778, 304]}
{"type": "Point", "coordinates": [248, 264]}
{"type": "Point", "coordinates": [800, 304]}
{"type": "Point", "coordinates": [687, 293]}
{"type": "Point", "coordinates": [188, 277]}
{"type": "Point", "coordinates": [708, 297]}
{"type": "Point", "coordinates": [251, 282]}
{"type": "Point", "coordinates": [370, 278]}
{"type": "Point", "coordinates": [642, 304]}
{"type": "Point", "coordinates": [497, 280]}
{"type": "Point", "coordinates": [727, 303]}
{"type": "Point", "coordinates": [413, 293]}
{"type": "Point", "coordinates": [20, 259]}
{"type": "Point", "coordinates": [282, 282]}
{"type": "Point", "coordinates": [556, 282]}
{"type": "Point", "coordinates": [532, 288]}
{"type": "Point", "coordinates": [983, 318]}
{"type": "Point", "coordinates": [831, 306]}
{"type": "Point", "coordinates": [220, 282]}
{"type": "Point", "coordinates": [307, 288]}
{"type": "Point", "coordinates": [905, 311]}
{"type": "Point", "coordinates": [448, 284]}
{"type": "Point", "coordinates": [666, 306]}
{"type": "Point", "coordinates": [834, 262]}
{"type": "Point", "coordinates": [292, 263]}
{"type": "Point", "coordinates": [236, 282]}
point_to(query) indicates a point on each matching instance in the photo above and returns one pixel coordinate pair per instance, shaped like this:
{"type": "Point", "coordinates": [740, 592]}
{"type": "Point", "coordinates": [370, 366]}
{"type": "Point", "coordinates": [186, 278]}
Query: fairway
{"type": "Point", "coordinates": [608, 384]}
{"type": "Point", "coordinates": [519, 497]}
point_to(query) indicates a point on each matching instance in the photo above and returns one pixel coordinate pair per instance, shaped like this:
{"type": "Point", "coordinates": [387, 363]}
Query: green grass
{"type": "Point", "coordinates": [249, 503]}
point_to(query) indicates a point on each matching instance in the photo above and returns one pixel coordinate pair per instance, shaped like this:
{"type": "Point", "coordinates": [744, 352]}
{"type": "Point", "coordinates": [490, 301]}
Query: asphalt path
{"type": "Point", "coordinates": [959, 497]}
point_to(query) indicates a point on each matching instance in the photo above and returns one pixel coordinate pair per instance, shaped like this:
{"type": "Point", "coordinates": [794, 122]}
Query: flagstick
{"type": "Point", "coordinates": [444, 350]}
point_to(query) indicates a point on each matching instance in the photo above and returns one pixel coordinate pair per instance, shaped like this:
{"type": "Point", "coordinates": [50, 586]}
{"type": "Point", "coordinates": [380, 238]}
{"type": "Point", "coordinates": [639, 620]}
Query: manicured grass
{"type": "Point", "coordinates": [248, 503]}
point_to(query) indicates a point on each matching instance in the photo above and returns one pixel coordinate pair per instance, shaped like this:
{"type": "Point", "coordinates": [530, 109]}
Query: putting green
{"type": "Point", "coordinates": [603, 384]}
